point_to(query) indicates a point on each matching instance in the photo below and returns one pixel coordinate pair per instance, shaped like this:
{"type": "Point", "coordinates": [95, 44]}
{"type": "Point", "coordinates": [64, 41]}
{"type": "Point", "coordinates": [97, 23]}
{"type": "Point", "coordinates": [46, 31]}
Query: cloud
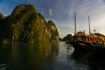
{"type": "Point", "coordinates": [63, 13]}
{"type": "Point", "coordinates": [96, 11]}
{"type": "Point", "coordinates": [65, 28]}
{"type": "Point", "coordinates": [50, 12]}
{"type": "Point", "coordinates": [42, 13]}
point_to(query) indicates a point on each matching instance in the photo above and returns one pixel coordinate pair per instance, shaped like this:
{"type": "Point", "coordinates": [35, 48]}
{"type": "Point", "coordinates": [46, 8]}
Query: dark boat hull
{"type": "Point", "coordinates": [86, 47]}
{"type": "Point", "coordinates": [78, 47]}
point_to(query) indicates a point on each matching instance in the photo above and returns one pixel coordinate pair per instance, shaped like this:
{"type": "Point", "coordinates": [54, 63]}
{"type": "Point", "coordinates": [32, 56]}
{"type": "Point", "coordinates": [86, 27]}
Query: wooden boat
{"type": "Point", "coordinates": [85, 46]}
{"type": "Point", "coordinates": [87, 42]}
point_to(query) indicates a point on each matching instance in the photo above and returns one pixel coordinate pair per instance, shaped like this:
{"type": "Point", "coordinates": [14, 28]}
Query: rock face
{"type": "Point", "coordinates": [1, 16]}
{"type": "Point", "coordinates": [26, 25]}
{"type": "Point", "coordinates": [50, 29]}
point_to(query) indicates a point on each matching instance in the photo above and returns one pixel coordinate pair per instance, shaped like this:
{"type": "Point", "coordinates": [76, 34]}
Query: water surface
{"type": "Point", "coordinates": [47, 56]}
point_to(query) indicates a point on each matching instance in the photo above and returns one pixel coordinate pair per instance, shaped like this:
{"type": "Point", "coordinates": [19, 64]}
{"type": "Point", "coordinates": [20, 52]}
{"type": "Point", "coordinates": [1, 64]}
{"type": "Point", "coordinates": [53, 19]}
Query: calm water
{"type": "Point", "coordinates": [46, 56]}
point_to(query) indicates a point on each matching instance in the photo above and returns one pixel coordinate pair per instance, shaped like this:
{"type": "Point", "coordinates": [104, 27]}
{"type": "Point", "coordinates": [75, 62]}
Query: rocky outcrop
{"type": "Point", "coordinates": [26, 25]}
{"type": "Point", "coordinates": [1, 16]}
{"type": "Point", "coordinates": [50, 29]}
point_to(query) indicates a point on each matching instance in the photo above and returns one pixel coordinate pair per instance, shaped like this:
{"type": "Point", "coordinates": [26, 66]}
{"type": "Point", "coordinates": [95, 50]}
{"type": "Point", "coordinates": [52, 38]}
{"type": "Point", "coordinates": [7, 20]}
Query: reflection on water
{"type": "Point", "coordinates": [48, 56]}
{"type": "Point", "coordinates": [94, 61]}
{"type": "Point", "coordinates": [27, 56]}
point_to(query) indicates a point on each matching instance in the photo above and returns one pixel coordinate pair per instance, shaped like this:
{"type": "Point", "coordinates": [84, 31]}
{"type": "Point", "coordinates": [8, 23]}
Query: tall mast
{"type": "Point", "coordinates": [75, 22]}
{"type": "Point", "coordinates": [89, 24]}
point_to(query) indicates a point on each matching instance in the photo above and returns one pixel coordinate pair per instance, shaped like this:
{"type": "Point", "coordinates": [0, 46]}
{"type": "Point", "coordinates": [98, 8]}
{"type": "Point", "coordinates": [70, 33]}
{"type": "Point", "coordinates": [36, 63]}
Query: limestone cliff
{"type": "Point", "coordinates": [26, 25]}
{"type": "Point", "coordinates": [50, 29]}
{"type": "Point", "coordinates": [1, 16]}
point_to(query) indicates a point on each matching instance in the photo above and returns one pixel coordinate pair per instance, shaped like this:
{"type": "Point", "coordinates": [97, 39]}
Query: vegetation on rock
{"type": "Point", "coordinates": [1, 16]}
{"type": "Point", "coordinates": [69, 37]}
{"type": "Point", "coordinates": [26, 25]}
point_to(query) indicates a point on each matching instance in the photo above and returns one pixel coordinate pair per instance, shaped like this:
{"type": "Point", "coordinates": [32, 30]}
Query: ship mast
{"type": "Point", "coordinates": [75, 22]}
{"type": "Point", "coordinates": [89, 24]}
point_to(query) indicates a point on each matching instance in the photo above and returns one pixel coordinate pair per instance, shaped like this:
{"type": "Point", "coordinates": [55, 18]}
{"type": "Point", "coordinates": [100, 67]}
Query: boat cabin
{"type": "Point", "coordinates": [91, 38]}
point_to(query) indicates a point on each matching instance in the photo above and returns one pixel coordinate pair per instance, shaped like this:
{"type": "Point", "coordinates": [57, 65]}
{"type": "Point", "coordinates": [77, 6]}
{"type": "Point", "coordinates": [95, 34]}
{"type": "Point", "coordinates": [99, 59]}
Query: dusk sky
{"type": "Point", "coordinates": [62, 13]}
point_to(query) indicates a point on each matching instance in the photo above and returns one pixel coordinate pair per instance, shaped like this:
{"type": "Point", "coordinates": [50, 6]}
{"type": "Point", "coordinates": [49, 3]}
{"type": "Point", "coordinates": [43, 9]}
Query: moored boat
{"type": "Point", "coordinates": [87, 42]}
{"type": "Point", "coordinates": [85, 46]}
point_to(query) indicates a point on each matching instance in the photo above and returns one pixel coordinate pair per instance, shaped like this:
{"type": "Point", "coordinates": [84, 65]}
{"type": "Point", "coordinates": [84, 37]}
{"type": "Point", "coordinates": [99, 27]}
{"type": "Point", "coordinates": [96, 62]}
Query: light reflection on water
{"type": "Point", "coordinates": [64, 59]}
{"type": "Point", "coordinates": [46, 56]}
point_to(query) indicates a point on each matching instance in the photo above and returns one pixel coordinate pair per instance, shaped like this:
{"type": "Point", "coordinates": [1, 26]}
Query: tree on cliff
{"type": "Point", "coordinates": [69, 37]}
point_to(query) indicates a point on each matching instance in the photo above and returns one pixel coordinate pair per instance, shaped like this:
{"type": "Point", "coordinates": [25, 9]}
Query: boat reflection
{"type": "Point", "coordinates": [95, 61]}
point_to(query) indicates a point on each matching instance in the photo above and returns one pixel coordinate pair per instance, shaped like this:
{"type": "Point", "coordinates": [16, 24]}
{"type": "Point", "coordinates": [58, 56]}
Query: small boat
{"type": "Point", "coordinates": [3, 66]}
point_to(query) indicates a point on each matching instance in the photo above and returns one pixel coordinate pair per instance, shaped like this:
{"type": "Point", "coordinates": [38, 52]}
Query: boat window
{"type": "Point", "coordinates": [88, 38]}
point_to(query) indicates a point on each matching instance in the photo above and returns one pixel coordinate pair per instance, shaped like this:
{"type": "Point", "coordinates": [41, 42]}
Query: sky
{"type": "Point", "coordinates": [62, 13]}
